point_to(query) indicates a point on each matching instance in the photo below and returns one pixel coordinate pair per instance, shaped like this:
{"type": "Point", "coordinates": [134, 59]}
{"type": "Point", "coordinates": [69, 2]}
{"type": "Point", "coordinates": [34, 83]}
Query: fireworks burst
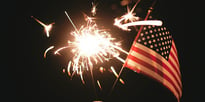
{"type": "Point", "coordinates": [129, 19]}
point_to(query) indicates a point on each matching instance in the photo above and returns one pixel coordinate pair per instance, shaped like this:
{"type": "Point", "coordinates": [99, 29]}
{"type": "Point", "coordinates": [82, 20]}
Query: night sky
{"type": "Point", "coordinates": [38, 79]}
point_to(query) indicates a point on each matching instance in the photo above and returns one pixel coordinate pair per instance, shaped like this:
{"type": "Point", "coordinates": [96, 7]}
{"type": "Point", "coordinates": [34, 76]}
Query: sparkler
{"type": "Point", "coordinates": [129, 19]}
{"type": "Point", "coordinates": [47, 28]}
{"type": "Point", "coordinates": [91, 45]}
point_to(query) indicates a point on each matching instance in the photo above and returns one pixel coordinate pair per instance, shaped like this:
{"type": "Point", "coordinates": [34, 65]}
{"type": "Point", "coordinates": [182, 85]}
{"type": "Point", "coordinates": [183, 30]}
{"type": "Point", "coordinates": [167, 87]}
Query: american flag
{"type": "Point", "coordinates": [154, 54]}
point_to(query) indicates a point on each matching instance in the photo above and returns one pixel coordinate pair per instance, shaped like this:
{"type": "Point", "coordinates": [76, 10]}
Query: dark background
{"type": "Point", "coordinates": [35, 79]}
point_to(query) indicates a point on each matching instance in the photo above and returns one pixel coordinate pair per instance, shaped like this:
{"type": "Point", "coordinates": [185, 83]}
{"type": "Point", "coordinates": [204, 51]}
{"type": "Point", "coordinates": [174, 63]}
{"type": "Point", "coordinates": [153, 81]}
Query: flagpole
{"type": "Point", "coordinates": [147, 16]}
{"type": "Point", "coordinates": [141, 27]}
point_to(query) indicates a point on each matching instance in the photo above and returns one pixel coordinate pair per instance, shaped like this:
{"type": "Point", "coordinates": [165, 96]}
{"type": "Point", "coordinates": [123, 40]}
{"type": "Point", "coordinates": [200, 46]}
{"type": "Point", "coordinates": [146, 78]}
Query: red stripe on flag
{"type": "Point", "coordinates": [156, 66]}
{"type": "Point", "coordinates": [175, 57]}
{"type": "Point", "coordinates": [156, 78]}
{"type": "Point", "coordinates": [154, 69]}
{"type": "Point", "coordinates": [159, 62]}
{"type": "Point", "coordinates": [175, 52]}
{"type": "Point", "coordinates": [172, 64]}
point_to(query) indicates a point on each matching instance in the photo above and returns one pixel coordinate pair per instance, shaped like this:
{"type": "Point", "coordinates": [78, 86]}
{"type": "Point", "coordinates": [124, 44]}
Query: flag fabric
{"type": "Point", "coordinates": [154, 54]}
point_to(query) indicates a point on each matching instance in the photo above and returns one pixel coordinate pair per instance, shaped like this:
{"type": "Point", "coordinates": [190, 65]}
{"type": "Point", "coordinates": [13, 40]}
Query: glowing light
{"type": "Point", "coordinates": [51, 47]}
{"type": "Point", "coordinates": [99, 85]}
{"type": "Point", "coordinates": [68, 68]}
{"type": "Point", "coordinates": [63, 70]}
{"type": "Point", "coordinates": [94, 9]}
{"type": "Point", "coordinates": [101, 69]}
{"type": "Point", "coordinates": [148, 22]}
{"type": "Point", "coordinates": [115, 73]}
{"type": "Point", "coordinates": [91, 45]}
{"type": "Point", "coordinates": [129, 19]}
{"type": "Point", "coordinates": [47, 28]}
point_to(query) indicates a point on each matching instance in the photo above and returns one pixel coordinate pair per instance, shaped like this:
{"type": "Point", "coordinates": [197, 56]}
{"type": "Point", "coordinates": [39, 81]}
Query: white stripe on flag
{"type": "Point", "coordinates": [169, 75]}
{"type": "Point", "coordinates": [175, 51]}
{"type": "Point", "coordinates": [145, 49]}
{"type": "Point", "coordinates": [174, 63]}
{"type": "Point", "coordinates": [152, 74]}
{"type": "Point", "coordinates": [156, 65]}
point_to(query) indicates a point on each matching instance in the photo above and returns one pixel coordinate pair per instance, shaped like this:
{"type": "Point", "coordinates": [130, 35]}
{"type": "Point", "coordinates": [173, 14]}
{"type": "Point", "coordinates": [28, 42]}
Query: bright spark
{"type": "Point", "coordinates": [115, 73]}
{"type": "Point", "coordinates": [129, 19]}
{"type": "Point", "coordinates": [91, 45]}
{"type": "Point", "coordinates": [99, 85]}
{"type": "Point", "coordinates": [51, 47]}
{"type": "Point", "coordinates": [101, 69]}
{"type": "Point", "coordinates": [47, 28]}
{"type": "Point", "coordinates": [94, 9]}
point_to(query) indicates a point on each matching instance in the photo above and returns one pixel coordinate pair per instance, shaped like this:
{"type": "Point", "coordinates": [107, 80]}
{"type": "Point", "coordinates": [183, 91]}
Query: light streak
{"type": "Point", "coordinates": [115, 73]}
{"type": "Point", "coordinates": [99, 85]}
{"type": "Point", "coordinates": [57, 51]}
{"type": "Point", "coordinates": [129, 19]}
{"type": "Point", "coordinates": [68, 68]}
{"type": "Point", "coordinates": [47, 28]}
{"type": "Point", "coordinates": [71, 21]}
{"type": "Point", "coordinates": [148, 22]}
{"type": "Point", "coordinates": [51, 47]}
